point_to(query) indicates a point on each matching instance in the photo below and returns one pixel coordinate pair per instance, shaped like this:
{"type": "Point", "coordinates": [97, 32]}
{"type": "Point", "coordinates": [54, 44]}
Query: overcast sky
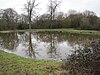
{"type": "Point", "coordinates": [79, 5]}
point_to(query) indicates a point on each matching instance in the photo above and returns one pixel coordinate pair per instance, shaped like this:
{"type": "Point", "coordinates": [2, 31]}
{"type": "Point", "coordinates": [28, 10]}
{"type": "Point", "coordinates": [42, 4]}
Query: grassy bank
{"type": "Point", "coordinates": [14, 65]}
{"type": "Point", "coordinates": [86, 32]}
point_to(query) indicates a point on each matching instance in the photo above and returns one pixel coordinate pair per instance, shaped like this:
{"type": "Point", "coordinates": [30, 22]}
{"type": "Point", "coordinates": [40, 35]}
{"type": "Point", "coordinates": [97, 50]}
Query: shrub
{"type": "Point", "coordinates": [86, 60]}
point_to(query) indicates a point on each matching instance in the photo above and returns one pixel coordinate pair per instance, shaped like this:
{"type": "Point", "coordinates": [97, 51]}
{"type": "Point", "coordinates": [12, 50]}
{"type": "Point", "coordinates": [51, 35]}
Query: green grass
{"type": "Point", "coordinates": [11, 64]}
{"type": "Point", "coordinates": [86, 32]}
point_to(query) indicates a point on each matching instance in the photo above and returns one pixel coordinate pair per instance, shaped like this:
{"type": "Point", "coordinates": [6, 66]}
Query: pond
{"type": "Point", "coordinates": [43, 45]}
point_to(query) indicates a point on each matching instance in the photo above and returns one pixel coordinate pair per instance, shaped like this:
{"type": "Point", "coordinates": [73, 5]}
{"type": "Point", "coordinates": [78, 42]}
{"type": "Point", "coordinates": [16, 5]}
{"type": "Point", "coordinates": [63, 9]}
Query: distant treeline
{"type": "Point", "coordinates": [10, 20]}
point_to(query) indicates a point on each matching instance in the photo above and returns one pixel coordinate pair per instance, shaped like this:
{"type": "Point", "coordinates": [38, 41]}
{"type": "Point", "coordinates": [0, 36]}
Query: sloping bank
{"type": "Point", "coordinates": [11, 64]}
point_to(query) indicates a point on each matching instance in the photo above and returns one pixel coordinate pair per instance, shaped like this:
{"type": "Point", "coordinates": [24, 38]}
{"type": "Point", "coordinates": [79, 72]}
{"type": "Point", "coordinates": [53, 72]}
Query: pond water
{"type": "Point", "coordinates": [42, 45]}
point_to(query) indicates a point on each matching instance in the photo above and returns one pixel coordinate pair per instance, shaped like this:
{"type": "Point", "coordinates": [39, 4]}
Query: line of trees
{"type": "Point", "coordinates": [85, 20]}
{"type": "Point", "coordinates": [11, 20]}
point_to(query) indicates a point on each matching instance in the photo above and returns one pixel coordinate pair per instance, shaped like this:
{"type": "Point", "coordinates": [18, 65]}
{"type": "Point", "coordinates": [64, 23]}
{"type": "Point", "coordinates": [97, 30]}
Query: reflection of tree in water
{"type": "Point", "coordinates": [51, 39]}
{"type": "Point", "coordinates": [23, 37]}
{"type": "Point", "coordinates": [63, 36]}
{"type": "Point", "coordinates": [55, 38]}
{"type": "Point", "coordinates": [31, 50]}
{"type": "Point", "coordinates": [46, 36]}
{"type": "Point", "coordinates": [26, 40]}
{"type": "Point", "coordinates": [52, 48]}
{"type": "Point", "coordinates": [9, 40]}
{"type": "Point", "coordinates": [76, 39]}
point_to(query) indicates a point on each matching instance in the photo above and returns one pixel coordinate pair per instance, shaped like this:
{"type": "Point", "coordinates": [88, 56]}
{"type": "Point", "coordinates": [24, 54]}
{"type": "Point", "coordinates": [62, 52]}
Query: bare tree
{"type": "Point", "coordinates": [30, 7]}
{"type": "Point", "coordinates": [53, 5]}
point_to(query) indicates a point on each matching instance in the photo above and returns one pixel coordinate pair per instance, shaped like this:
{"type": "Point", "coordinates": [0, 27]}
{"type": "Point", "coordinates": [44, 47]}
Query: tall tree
{"type": "Point", "coordinates": [52, 8]}
{"type": "Point", "coordinates": [30, 7]}
{"type": "Point", "coordinates": [53, 5]}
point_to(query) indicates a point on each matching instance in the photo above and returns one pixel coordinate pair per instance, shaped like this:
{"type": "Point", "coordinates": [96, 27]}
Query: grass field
{"type": "Point", "coordinates": [11, 64]}
{"type": "Point", "coordinates": [86, 32]}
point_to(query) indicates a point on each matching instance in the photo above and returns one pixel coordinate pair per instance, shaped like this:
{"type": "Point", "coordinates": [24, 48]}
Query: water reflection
{"type": "Point", "coordinates": [42, 45]}
{"type": "Point", "coordinates": [31, 49]}
{"type": "Point", "coordinates": [9, 41]}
